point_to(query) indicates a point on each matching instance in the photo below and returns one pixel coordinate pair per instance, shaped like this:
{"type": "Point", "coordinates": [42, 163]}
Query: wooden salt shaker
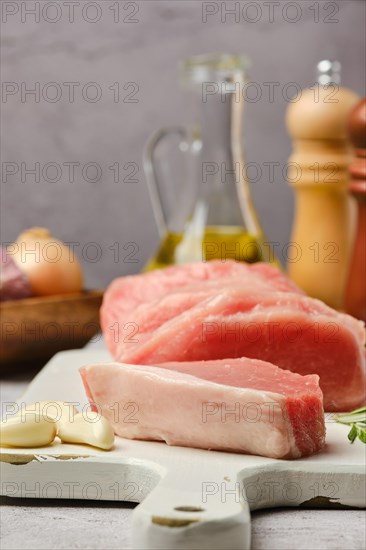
{"type": "Point", "coordinates": [356, 285]}
{"type": "Point", "coordinates": [322, 230]}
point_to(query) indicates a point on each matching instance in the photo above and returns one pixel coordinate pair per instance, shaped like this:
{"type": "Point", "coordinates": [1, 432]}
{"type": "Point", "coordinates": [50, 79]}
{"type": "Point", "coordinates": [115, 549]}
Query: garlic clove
{"type": "Point", "coordinates": [56, 410]}
{"type": "Point", "coordinates": [91, 429]}
{"type": "Point", "coordinates": [32, 431]}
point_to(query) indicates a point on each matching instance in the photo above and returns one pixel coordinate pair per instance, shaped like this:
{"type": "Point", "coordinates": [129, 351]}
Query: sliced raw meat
{"type": "Point", "coordinates": [295, 332]}
{"type": "Point", "coordinates": [149, 316]}
{"type": "Point", "coordinates": [238, 405]}
{"type": "Point", "coordinates": [124, 296]}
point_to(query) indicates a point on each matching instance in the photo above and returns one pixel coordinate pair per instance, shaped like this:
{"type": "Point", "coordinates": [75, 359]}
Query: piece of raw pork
{"type": "Point", "coordinates": [215, 310]}
{"type": "Point", "coordinates": [175, 289]}
{"type": "Point", "coordinates": [241, 405]}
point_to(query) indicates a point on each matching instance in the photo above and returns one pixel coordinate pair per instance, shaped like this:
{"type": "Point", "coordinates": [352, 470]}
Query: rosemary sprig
{"type": "Point", "coordinates": [357, 420]}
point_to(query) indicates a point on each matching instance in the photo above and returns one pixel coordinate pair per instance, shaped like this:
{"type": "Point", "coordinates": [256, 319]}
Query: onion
{"type": "Point", "coordinates": [14, 285]}
{"type": "Point", "coordinates": [49, 264]}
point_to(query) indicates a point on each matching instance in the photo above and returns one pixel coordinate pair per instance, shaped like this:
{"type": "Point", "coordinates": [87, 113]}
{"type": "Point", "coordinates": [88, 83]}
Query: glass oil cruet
{"type": "Point", "coordinates": [219, 220]}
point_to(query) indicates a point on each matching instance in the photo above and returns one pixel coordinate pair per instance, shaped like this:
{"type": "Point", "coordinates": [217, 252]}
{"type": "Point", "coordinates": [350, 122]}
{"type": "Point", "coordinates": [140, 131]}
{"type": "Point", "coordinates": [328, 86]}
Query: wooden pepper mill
{"type": "Point", "coordinates": [356, 285]}
{"type": "Point", "coordinates": [323, 226]}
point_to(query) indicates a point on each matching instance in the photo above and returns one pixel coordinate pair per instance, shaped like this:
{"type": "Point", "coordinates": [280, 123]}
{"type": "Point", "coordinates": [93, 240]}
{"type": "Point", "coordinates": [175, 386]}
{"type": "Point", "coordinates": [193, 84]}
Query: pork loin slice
{"type": "Point", "coordinates": [148, 317]}
{"type": "Point", "coordinates": [124, 295]}
{"type": "Point", "coordinates": [293, 331]}
{"type": "Point", "coordinates": [240, 405]}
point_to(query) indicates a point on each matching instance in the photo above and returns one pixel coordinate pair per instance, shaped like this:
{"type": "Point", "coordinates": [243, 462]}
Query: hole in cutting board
{"type": "Point", "coordinates": [189, 509]}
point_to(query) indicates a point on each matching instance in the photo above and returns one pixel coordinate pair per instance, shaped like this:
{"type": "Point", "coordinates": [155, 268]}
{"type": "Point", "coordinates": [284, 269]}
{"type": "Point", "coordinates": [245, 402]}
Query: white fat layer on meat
{"type": "Point", "coordinates": [181, 409]}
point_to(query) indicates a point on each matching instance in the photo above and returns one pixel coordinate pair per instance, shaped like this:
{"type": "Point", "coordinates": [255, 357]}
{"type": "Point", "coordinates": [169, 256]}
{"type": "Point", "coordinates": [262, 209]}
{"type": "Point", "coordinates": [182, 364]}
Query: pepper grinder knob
{"type": "Point", "coordinates": [329, 72]}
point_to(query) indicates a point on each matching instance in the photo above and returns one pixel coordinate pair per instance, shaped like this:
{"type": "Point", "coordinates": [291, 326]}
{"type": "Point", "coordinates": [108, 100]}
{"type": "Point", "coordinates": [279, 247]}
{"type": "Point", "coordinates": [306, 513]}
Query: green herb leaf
{"type": "Point", "coordinates": [357, 420]}
{"type": "Point", "coordinates": [353, 433]}
{"type": "Point", "coordinates": [362, 434]}
{"type": "Point", "coordinates": [361, 410]}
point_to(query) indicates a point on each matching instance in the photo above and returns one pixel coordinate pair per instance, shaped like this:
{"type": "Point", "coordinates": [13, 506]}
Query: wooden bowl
{"type": "Point", "coordinates": [34, 329]}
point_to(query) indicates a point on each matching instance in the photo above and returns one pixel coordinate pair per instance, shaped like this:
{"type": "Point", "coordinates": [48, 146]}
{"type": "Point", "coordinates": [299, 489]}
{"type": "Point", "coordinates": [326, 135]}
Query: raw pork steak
{"type": "Point", "coordinates": [216, 310]}
{"type": "Point", "coordinates": [294, 332]}
{"type": "Point", "coordinates": [125, 295]}
{"type": "Point", "coordinates": [241, 405]}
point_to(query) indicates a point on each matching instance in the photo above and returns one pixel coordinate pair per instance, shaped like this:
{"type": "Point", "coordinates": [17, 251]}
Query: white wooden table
{"type": "Point", "coordinates": [42, 524]}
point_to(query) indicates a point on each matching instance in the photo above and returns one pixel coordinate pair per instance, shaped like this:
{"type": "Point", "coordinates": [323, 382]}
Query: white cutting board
{"type": "Point", "coordinates": [190, 498]}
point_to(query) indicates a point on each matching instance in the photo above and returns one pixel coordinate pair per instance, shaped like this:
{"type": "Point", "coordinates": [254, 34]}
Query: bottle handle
{"type": "Point", "coordinates": [149, 165]}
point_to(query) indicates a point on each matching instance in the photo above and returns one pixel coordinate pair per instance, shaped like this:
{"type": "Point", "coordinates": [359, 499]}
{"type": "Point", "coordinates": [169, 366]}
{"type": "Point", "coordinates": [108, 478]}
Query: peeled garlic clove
{"type": "Point", "coordinates": [57, 410]}
{"type": "Point", "coordinates": [32, 431]}
{"type": "Point", "coordinates": [91, 429]}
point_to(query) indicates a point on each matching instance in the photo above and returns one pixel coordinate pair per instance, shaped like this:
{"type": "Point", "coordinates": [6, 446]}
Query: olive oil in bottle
{"type": "Point", "coordinates": [218, 243]}
{"type": "Point", "coordinates": [222, 222]}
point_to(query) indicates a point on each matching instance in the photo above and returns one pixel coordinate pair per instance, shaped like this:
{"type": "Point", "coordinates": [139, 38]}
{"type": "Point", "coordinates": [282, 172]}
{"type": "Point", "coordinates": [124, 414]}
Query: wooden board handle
{"type": "Point", "coordinates": [196, 510]}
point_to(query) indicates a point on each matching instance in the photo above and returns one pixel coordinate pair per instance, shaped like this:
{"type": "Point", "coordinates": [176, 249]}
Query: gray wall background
{"type": "Point", "coordinates": [105, 132]}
